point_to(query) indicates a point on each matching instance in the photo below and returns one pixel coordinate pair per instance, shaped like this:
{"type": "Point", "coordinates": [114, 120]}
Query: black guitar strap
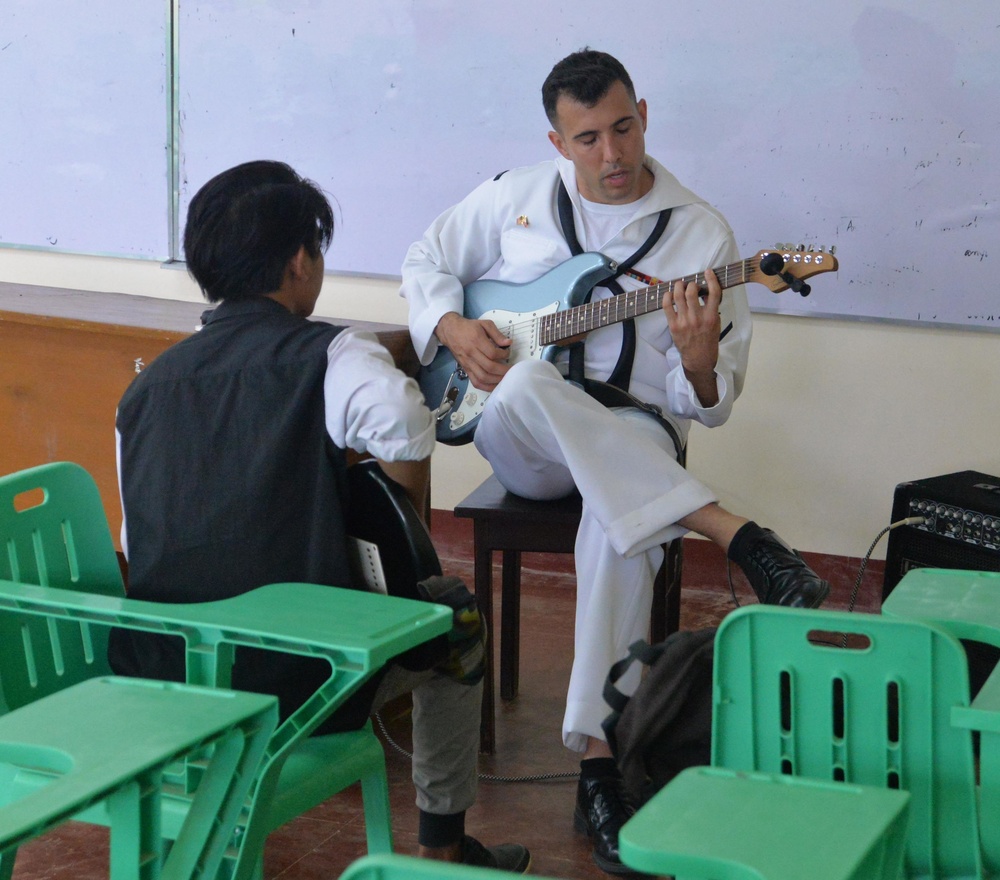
{"type": "Point", "coordinates": [622, 372]}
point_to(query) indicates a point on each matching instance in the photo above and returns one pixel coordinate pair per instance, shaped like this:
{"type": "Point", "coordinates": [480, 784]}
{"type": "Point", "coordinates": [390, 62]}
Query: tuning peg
{"type": "Point", "coordinates": [833, 249]}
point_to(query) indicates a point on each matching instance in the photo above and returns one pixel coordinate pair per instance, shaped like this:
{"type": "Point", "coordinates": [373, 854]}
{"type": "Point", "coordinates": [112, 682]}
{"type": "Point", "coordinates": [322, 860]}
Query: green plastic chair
{"type": "Point", "coordinates": [965, 604]}
{"type": "Point", "coordinates": [111, 741]}
{"type": "Point", "coordinates": [729, 825]}
{"type": "Point", "coordinates": [63, 590]}
{"type": "Point", "coordinates": [866, 700]}
{"type": "Point", "coordinates": [397, 867]}
{"type": "Point", "coordinates": [53, 532]}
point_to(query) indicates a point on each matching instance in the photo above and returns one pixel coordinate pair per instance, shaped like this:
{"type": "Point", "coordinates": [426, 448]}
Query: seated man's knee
{"type": "Point", "coordinates": [523, 376]}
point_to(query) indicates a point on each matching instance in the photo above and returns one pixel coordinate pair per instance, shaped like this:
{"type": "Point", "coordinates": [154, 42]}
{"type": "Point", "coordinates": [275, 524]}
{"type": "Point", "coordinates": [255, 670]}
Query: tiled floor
{"type": "Point", "coordinates": [538, 814]}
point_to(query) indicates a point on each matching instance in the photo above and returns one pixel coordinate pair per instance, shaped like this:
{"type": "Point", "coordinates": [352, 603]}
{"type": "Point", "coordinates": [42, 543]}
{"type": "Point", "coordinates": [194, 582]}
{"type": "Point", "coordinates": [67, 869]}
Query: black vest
{"type": "Point", "coordinates": [230, 482]}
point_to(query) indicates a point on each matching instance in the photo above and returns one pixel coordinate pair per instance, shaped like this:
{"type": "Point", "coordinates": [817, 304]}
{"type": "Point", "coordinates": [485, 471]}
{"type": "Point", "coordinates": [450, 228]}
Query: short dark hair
{"type": "Point", "coordinates": [245, 224]}
{"type": "Point", "coordinates": [585, 76]}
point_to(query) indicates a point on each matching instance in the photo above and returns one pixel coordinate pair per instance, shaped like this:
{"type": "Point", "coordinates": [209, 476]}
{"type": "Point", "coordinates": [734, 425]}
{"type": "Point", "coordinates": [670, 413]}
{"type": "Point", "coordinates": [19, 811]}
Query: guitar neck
{"type": "Point", "coordinates": [561, 326]}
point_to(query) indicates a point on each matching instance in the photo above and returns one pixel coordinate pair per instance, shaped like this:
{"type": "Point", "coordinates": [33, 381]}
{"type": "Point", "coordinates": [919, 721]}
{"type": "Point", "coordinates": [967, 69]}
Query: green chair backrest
{"type": "Point", "coordinates": [790, 697]}
{"type": "Point", "coordinates": [398, 867]}
{"type": "Point", "coordinates": [53, 532]}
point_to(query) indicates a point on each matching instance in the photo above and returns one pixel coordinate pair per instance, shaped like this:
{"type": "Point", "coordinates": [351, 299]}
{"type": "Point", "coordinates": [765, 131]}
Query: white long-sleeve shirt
{"type": "Point", "coordinates": [510, 224]}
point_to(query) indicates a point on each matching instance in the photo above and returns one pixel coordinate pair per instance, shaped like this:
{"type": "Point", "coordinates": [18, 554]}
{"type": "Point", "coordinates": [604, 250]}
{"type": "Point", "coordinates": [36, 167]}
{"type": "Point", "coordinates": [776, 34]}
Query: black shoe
{"type": "Point", "coordinates": [776, 571]}
{"type": "Point", "coordinates": [505, 857]}
{"type": "Point", "coordinates": [602, 807]}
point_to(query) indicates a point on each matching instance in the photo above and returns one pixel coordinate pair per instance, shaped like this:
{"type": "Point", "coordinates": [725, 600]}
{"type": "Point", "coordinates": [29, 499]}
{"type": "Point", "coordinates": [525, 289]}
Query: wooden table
{"type": "Point", "coordinates": [66, 358]}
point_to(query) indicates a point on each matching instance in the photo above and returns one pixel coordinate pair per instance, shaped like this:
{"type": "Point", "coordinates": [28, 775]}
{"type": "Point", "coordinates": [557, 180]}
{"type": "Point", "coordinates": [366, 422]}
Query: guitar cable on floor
{"type": "Point", "coordinates": [485, 777]}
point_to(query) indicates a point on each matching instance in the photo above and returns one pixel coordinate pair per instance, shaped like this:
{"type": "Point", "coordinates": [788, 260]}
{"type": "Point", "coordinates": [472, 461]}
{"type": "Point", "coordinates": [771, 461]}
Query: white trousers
{"type": "Point", "coordinates": [543, 436]}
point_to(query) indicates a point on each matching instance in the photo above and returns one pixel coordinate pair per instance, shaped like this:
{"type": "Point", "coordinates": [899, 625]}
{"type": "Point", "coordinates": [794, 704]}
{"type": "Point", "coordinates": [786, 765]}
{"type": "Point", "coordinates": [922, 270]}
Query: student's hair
{"type": "Point", "coordinates": [245, 224]}
{"type": "Point", "coordinates": [585, 76]}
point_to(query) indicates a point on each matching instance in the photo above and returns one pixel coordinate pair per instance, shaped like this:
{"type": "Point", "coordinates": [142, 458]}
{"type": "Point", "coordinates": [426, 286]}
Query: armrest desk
{"type": "Point", "coordinates": [964, 603]}
{"type": "Point", "coordinates": [358, 632]}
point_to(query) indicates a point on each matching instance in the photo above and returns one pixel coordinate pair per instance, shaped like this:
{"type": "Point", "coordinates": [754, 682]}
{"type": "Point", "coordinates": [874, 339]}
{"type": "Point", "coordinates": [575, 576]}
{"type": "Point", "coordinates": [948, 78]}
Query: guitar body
{"type": "Point", "coordinates": [514, 308]}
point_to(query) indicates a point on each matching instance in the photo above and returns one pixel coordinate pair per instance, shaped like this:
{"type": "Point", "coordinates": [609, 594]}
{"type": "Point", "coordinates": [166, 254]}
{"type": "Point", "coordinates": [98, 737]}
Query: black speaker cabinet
{"type": "Point", "coordinates": [961, 529]}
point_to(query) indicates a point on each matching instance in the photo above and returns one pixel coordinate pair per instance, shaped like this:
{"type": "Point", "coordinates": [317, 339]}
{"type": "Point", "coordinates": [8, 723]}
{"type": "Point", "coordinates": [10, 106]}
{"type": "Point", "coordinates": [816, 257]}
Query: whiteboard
{"type": "Point", "coordinates": [872, 128]}
{"type": "Point", "coordinates": [84, 126]}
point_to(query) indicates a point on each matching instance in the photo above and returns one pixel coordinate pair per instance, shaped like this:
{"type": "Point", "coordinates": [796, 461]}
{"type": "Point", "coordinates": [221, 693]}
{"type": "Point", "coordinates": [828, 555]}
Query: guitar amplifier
{"type": "Point", "coordinates": [961, 529]}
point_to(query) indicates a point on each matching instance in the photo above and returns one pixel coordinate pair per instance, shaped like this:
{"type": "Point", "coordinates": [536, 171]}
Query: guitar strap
{"type": "Point", "coordinates": [622, 372]}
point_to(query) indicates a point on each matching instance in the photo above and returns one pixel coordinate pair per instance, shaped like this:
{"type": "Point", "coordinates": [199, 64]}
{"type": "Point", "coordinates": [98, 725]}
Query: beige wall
{"type": "Point", "coordinates": [834, 415]}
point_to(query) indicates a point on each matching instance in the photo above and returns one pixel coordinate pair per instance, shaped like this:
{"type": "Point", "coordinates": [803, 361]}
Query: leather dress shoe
{"type": "Point", "coordinates": [776, 572]}
{"type": "Point", "coordinates": [602, 807]}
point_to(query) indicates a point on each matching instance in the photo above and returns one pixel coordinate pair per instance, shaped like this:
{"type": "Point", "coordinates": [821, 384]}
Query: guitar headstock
{"type": "Point", "coordinates": [797, 262]}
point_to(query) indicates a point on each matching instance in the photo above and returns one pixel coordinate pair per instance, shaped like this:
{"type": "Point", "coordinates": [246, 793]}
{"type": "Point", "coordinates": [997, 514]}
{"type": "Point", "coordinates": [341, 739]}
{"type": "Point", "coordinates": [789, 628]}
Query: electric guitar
{"type": "Point", "coordinates": [543, 316]}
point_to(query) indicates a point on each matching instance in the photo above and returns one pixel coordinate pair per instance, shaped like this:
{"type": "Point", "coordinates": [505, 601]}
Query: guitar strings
{"type": "Point", "coordinates": [581, 319]}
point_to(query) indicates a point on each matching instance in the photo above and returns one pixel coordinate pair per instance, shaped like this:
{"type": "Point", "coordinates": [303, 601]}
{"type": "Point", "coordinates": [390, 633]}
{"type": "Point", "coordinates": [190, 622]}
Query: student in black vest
{"type": "Point", "coordinates": [545, 436]}
{"type": "Point", "coordinates": [232, 456]}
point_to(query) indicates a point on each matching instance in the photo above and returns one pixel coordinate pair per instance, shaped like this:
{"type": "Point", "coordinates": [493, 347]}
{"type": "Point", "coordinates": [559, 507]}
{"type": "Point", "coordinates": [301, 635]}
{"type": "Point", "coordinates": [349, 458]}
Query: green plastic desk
{"type": "Point", "coordinates": [357, 632]}
{"type": "Point", "coordinates": [723, 824]}
{"type": "Point", "coordinates": [965, 603]}
{"type": "Point", "coordinates": [111, 740]}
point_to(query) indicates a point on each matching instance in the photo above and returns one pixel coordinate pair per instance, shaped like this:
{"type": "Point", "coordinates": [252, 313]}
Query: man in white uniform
{"type": "Point", "coordinates": [544, 436]}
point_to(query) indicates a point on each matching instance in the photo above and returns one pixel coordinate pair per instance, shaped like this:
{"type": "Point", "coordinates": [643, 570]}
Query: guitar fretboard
{"type": "Point", "coordinates": [563, 325]}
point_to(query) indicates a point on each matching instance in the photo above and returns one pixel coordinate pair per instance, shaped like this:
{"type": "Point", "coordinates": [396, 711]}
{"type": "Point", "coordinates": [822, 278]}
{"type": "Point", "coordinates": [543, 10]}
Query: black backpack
{"type": "Point", "coordinates": [666, 725]}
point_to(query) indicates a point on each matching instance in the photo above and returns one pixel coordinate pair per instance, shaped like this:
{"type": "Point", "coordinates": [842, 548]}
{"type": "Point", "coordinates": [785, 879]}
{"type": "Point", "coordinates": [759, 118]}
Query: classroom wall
{"type": "Point", "coordinates": [835, 413]}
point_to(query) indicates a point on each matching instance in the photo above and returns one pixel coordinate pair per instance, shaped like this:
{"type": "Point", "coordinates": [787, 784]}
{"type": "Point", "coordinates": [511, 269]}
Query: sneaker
{"type": "Point", "coordinates": [506, 857]}
{"type": "Point", "coordinates": [602, 807]}
{"type": "Point", "coordinates": [776, 572]}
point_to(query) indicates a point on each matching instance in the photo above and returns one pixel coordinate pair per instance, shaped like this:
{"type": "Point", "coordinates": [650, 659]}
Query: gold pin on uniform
{"type": "Point", "coordinates": [523, 221]}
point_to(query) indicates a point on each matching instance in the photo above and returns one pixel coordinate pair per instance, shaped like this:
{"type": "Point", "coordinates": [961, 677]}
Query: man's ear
{"type": "Point", "coordinates": [556, 140]}
{"type": "Point", "coordinates": [298, 265]}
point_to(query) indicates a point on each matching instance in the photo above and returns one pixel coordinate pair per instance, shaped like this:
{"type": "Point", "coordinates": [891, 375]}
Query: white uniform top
{"type": "Point", "coordinates": [510, 224]}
